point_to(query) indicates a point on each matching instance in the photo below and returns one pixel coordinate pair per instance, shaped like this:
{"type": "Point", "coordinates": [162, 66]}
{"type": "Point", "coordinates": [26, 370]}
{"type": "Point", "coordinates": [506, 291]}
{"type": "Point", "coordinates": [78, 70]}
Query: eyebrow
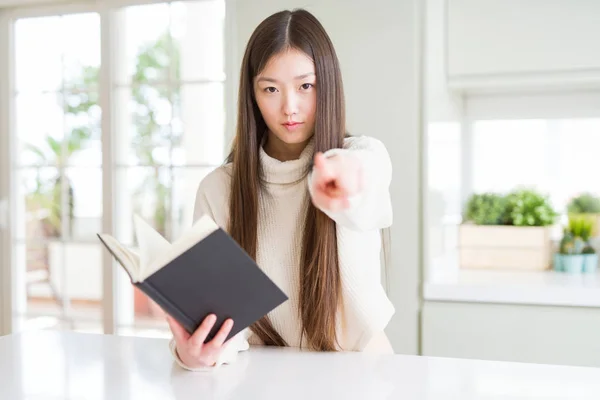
{"type": "Point", "coordinates": [267, 79]}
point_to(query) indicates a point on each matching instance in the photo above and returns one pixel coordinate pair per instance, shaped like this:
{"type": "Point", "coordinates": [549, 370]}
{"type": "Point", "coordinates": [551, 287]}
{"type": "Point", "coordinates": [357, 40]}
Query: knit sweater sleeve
{"type": "Point", "coordinates": [211, 200]}
{"type": "Point", "coordinates": [370, 209]}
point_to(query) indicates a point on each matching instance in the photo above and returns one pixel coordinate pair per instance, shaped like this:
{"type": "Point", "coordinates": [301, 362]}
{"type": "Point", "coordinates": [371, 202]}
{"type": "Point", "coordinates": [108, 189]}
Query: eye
{"type": "Point", "coordinates": [307, 86]}
{"type": "Point", "coordinates": [270, 89]}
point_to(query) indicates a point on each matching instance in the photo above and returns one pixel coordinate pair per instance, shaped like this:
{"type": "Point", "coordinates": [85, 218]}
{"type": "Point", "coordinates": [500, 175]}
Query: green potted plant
{"type": "Point", "coordinates": [586, 204]}
{"type": "Point", "coordinates": [511, 231]}
{"type": "Point", "coordinates": [486, 209]}
{"type": "Point", "coordinates": [576, 253]}
{"type": "Point", "coordinates": [527, 207]}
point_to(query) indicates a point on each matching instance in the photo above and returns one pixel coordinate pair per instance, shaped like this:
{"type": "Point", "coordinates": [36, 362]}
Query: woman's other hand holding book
{"type": "Point", "coordinates": [192, 350]}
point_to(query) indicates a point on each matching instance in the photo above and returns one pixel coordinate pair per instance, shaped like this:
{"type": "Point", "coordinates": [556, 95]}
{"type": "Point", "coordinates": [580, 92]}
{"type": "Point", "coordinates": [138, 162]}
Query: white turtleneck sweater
{"type": "Point", "coordinates": [365, 310]}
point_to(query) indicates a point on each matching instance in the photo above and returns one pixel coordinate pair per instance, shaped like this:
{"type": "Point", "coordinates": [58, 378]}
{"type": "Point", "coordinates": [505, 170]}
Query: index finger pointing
{"type": "Point", "coordinates": [322, 166]}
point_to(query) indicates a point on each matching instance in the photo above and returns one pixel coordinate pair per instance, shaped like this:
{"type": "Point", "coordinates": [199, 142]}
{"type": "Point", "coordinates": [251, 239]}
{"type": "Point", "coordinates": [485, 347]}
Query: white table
{"type": "Point", "coordinates": [63, 365]}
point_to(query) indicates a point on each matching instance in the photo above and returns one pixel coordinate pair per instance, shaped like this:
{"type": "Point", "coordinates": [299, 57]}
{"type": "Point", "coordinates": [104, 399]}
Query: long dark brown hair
{"type": "Point", "coordinates": [320, 287]}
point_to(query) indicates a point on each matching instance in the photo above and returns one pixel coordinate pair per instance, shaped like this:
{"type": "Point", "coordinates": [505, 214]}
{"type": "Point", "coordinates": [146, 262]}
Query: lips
{"type": "Point", "coordinates": [292, 126]}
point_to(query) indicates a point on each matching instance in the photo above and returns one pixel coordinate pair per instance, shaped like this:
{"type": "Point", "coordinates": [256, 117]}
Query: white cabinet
{"type": "Point", "coordinates": [534, 334]}
{"type": "Point", "coordinates": [538, 43]}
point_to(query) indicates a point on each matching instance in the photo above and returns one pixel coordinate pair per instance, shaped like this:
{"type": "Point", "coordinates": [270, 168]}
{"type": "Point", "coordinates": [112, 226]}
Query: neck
{"type": "Point", "coordinates": [281, 151]}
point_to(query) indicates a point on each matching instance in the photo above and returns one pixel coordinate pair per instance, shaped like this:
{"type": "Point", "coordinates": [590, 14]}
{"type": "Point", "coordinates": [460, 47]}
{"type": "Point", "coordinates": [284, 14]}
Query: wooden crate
{"type": "Point", "coordinates": [505, 247]}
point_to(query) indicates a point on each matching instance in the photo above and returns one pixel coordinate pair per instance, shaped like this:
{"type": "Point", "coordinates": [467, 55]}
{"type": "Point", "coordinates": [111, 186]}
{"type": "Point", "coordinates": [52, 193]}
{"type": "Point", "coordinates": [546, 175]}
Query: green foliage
{"type": "Point", "coordinates": [585, 203]}
{"type": "Point", "coordinates": [581, 226]}
{"type": "Point", "coordinates": [153, 62]}
{"type": "Point", "coordinates": [527, 207]}
{"type": "Point", "coordinates": [576, 236]}
{"type": "Point", "coordinates": [158, 61]}
{"type": "Point", "coordinates": [571, 244]}
{"type": "Point", "coordinates": [522, 207]}
{"type": "Point", "coordinates": [588, 249]}
{"type": "Point", "coordinates": [485, 209]}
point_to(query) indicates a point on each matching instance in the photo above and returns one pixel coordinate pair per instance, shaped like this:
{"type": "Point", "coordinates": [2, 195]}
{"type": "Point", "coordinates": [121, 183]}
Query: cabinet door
{"type": "Point", "coordinates": [534, 334]}
{"type": "Point", "coordinates": [522, 38]}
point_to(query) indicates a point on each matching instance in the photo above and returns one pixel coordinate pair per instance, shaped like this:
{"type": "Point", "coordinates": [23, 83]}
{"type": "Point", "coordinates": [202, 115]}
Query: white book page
{"type": "Point", "coordinates": [151, 244]}
{"type": "Point", "coordinates": [158, 258]}
{"type": "Point", "coordinates": [128, 258]}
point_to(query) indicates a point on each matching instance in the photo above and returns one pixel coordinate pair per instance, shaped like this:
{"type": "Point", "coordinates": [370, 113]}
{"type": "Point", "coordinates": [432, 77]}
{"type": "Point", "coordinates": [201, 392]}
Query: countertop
{"type": "Point", "coordinates": [67, 365]}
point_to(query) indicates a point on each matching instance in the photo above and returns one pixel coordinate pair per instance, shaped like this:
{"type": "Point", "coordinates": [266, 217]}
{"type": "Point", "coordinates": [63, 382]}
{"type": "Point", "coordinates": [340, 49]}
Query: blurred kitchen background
{"type": "Point", "coordinates": [490, 111]}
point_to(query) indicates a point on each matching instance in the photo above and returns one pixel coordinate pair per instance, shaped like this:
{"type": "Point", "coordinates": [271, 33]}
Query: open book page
{"type": "Point", "coordinates": [128, 258]}
{"type": "Point", "coordinates": [161, 254]}
{"type": "Point", "coordinates": [152, 245]}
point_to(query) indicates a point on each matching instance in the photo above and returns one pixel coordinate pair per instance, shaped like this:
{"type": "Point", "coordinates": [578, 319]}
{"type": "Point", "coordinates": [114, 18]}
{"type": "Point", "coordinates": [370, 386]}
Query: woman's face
{"type": "Point", "coordinates": [286, 95]}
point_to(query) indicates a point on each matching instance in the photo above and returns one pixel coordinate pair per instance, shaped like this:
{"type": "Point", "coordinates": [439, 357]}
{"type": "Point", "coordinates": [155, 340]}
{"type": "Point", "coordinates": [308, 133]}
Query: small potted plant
{"type": "Point", "coordinates": [510, 231]}
{"type": "Point", "coordinates": [576, 253]}
{"type": "Point", "coordinates": [590, 259]}
{"type": "Point", "coordinates": [586, 204]}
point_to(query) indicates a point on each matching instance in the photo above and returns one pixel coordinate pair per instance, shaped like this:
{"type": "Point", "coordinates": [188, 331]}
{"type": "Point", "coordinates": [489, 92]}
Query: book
{"type": "Point", "coordinates": [203, 272]}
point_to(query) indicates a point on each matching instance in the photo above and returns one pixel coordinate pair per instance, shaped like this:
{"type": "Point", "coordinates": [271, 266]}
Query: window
{"type": "Point", "coordinates": [169, 112]}
{"type": "Point", "coordinates": [166, 121]}
{"type": "Point", "coordinates": [556, 156]}
{"type": "Point", "coordinates": [57, 171]}
{"type": "Point", "coordinates": [501, 143]}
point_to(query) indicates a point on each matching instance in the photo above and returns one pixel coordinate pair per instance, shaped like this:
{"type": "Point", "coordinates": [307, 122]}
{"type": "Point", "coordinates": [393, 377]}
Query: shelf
{"type": "Point", "coordinates": [537, 82]}
{"type": "Point", "coordinates": [448, 283]}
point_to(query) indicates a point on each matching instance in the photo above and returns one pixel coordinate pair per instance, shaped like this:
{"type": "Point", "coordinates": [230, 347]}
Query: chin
{"type": "Point", "coordinates": [293, 137]}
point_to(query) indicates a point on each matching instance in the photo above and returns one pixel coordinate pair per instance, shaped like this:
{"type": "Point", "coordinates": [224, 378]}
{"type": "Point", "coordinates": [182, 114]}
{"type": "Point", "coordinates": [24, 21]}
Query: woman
{"type": "Point", "coordinates": [304, 199]}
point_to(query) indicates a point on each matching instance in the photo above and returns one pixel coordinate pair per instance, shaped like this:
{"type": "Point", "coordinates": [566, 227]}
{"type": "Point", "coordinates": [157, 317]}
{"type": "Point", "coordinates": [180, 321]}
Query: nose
{"type": "Point", "coordinates": [290, 103]}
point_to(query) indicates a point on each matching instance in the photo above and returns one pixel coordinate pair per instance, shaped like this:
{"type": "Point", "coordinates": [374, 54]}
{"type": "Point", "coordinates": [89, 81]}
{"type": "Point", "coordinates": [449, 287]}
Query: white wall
{"type": "Point", "coordinates": [377, 43]}
{"type": "Point", "coordinates": [5, 273]}
{"type": "Point", "coordinates": [21, 3]}
{"type": "Point", "coordinates": [442, 106]}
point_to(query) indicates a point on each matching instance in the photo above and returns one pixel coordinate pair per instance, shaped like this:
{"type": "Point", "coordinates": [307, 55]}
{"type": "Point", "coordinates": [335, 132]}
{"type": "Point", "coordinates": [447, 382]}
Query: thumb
{"type": "Point", "coordinates": [179, 332]}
